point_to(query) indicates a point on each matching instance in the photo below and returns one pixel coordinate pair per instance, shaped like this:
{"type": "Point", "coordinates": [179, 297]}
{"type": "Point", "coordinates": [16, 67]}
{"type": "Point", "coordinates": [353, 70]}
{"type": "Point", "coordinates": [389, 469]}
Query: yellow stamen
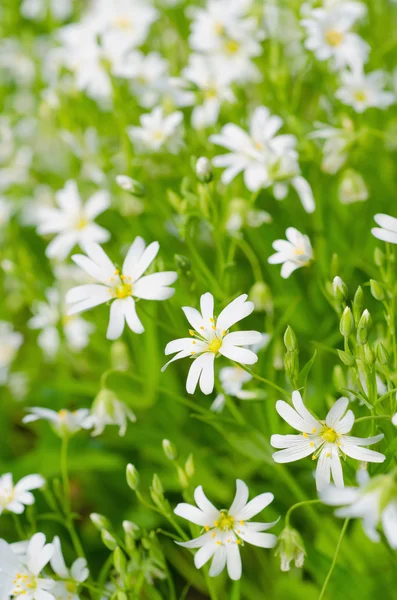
{"type": "Point", "coordinates": [334, 38]}
{"type": "Point", "coordinates": [215, 345]}
{"type": "Point", "coordinates": [124, 290]}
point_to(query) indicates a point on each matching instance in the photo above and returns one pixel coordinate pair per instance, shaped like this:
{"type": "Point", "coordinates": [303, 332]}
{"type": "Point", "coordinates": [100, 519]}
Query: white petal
{"type": "Point", "coordinates": [346, 423]}
{"type": "Point", "coordinates": [386, 221]}
{"type": "Point", "coordinates": [207, 373]}
{"type": "Point", "coordinates": [30, 482]}
{"type": "Point", "coordinates": [323, 471]}
{"type": "Point", "coordinates": [97, 204]}
{"type": "Point", "coordinates": [154, 286]}
{"type": "Point", "coordinates": [101, 259]}
{"type": "Point", "coordinates": [204, 554]}
{"type": "Point", "coordinates": [337, 496]}
{"type": "Point", "coordinates": [243, 338]}
{"type": "Point", "coordinates": [205, 505]}
{"type": "Point", "coordinates": [148, 256]}
{"type": "Point", "coordinates": [294, 419]}
{"type": "Point", "coordinates": [293, 453]}
{"type": "Point", "coordinates": [133, 255]}
{"type": "Point", "coordinates": [194, 317]}
{"type": "Point", "coordinates": [304, 192]}
{"type": "Point", "coordinates": [240, 499]}
{"type": "Point", "coordinates": [62, 245]}
{"type": "Point", "coordinates": [178, 345]}
{"type": "Point", "coordinates": [363, 454]}
{"type": "Point", "coordinates": [288, 268]}
{"type": "Point", "coordinates": [336, 468]}
{"type": "Point", "coordinates": [116, 320]}
{"type": "Point", "coordinates": [132, 319]}
{"type": "Point", "coordinates": [192, 514]}
{"type": "Point", "coordinates": [234, 312]}
{"type": "Point", "coordinates": [100, 296]}
{"type": "Point", "coordinates": [357, 441]}
{"type": "Point", "coordinates": [218, 562]}
{"type": "Point", "coordinates": [389, 522]}
{"type": "Point", "coordinates": [255, 506]}
{"type": "Point", "coordinates": [301, 409]}
{"type": "Point", "coordinates": [336, 413]}
{"type": "Point", "coordinates": [287, 441]}
{"type": "Point", "coordinates": [197, 542]}
{"type": "Point", "coordinates": [233, 561]}
{"type": "Point", "coordinates": [240, 355]}
{"type": "Point", "coordinates": [384, 235]}
{"type": "Point", "coordinates": [263, 540]}
{"type": "Point", "coordinates": [207, 306]}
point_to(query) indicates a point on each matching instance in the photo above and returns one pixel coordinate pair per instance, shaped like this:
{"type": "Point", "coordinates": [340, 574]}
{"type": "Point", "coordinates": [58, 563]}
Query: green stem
{"type": "Point", "coordinates": [373, 417]}
{"type": "Point", "coordinates": [295, 506]}
{"type": "Point", "coordinates": [18, 527]}
{"type": "Point", "coordinates": [332, 567]}
{"type": "Point", "coordinates": [267, 381]}
{"type": "Point", "coordinates": [210, 586]}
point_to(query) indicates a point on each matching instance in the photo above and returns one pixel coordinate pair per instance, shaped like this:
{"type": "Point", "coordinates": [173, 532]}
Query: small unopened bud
{"type": "Point", "coordinates": [377, 290]}
{"type": "Point", "coordinates": [382, 354]}
{"type": "Point", "coordinates": [169, 450]}
{"type": "Point", "coordinates": [346, 323]}
{"type": "Point", "coordinates": [364, 327]}
{"type": "Point", "coordinates": [189, 466]}
{"type": "Point", "coordinates": [290, 548]}
{"type": "Point", "coordinates": [358, 303]}
{"type": "Point", "coordinates": [99, 521]}
{"type": "Point", "coordinates": [130, 185]}
{"type": "Point", "coordinates": [119, 356]}
{"type": "Point", "coordinates": [119, 561]}
{"type": "Point", "coordinates": [107, 538]}
{"type": "Point", "coordinates": [260, 295]}
{"type": "Point", "coordinates": [183, 480]}
{"type": "Point", "coordinates": [204, 169]}
{"type": "Point", "coordinates": [157, 486]}
{"type": "Point", "coordinates": [290, 341]}
{"type": "Point", "coordinates": [346, 358]}
{"type": "Point", "coordinates": [291, 366]}
{"type": "Point", "coordinates": [130, 527]}
{"type": "Point", "coordinates": [132, 477]}
{"type": "Point", "coordinates": [338, 378]}
{"type": "Point", "coordinates": [352, 187]}
{"type": "Point", "coordinates": [339, 289]}
{"type": "Point", "coordinates": [369, 356]}
{"type": "Point", "coordinates": [379, 257]}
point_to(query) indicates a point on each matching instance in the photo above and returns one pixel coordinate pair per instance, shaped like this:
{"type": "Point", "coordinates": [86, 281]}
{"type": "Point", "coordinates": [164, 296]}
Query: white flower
{"type": "Point", "coordinates": [338, 142]}
{"type": "Point", "coordinates": [78, 572]}
{"type": "Point", "coordinates": [120, 286]}
{"type": "Point", "coordinates": [326, 440]}
{"type": "Point", "coordinates": [374, 502]}
{"type": "Point", "coordinates": [362, 91]}
{"type": "Point", "coordinates": [64, 422]}
{"type": "Point", "coordinates": [225, 530]}
{"type": "Point", "coordinates": [210, 339]}
{"type": "Point", "coordinates": [107, 409]}
{"type": "Point", "coordinates": [20, 573]}
{"type": "Point", "coordinates": [394, 419]}
{"type": "Point", "coordinates": [48, 315]}
{"type": "Point", "coordinates": [14, 497]}
{"type": "Point", "coordinates": [387, 232]}
{"type": "Point", "coordinates": [158, 132]}
{"type": "Point", "coordinates": [295, 253]}
{"type": "Point", "coordinates": [6, 210]}
{"type": "Point", "coordinates": [265, 158]}
{"type": "Point", "coordinates": [352, 187]}
{"type": "Point", "coordinates": [73, 222]}
{"type": "Point", "coordinates": [329, 35]}
{"type": "Point", "coordinates": [37, 9]}
{"type": "Point", "coordinates": [232, 380]}
{"type": "Point", "coordinates": [10, 342]}
{"type": "Point", "coordinates": [213, 88]}
{"type": "Point", "coordinates": [147, 75]}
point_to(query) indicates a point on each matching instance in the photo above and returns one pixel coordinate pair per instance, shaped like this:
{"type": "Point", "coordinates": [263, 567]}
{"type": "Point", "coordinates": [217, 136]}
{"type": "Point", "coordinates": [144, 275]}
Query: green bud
{"type": "Point", "coordinates": [369, 356]}
{"type": "Point", "coordinates": [346, 358]}
{"type": "Point", "coordinates": [382, 354]}
{"type": "Point", "coordinates": [338, 378]}
{"type": "Point", "coordinates": [260, 295]}
{"type": "Point", "coordinates": [364, 327]}
{"type": "Point", "coordinates": [377, 290]}
{"type": "Point", "coordinates": [174, 200]}
{"type": "Point", "coordinates": [352, 187]}
{"type": "Point", "coordinates": [130, 185]}
{"type": "Point", "coordinates": [132, 477]}
{"type": "Point", "coordinates": [183, 480]}
{"type": "Point", "coordinates": [290, 341]}
{"type": "Point", "coordinates": [130, 528]}
{"type": "Point", "coordinates": [108, 540]}
{"type": "Point", "coordinates": [121, 595]}
{"type": "Point", "coordinates": [99, 521]}
{"type": "Point", "coordinates": [358, 303]}
{"type": "Point", "coordinates": [119, 356]}
{"type": "Point", "coordinates": [183, 264]}
{"type": "Point", "coordinates": [290, 548]}
{"type": "Point", "coordinates": [204, 169]}
{"type": "Point", "coordinates": [157, 486]}
{"type": "Point", "coordinates": [379, 257]}
{"type": "Point", "coordinates": [346, 324]}
{"type": "Point", "coordinates": [169, 450]}
{"type": "Point", "coordinates": [189, 466]}
{"type": "Point", "coordinates": [291, 366]}
{"type": "Point", "coordinates": [339, 289]}
{"type": "Point", "coordinates": [119, 561]}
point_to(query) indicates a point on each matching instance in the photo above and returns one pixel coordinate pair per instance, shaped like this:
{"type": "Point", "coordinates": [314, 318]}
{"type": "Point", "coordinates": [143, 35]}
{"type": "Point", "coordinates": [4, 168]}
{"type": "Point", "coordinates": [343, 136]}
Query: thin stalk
{"type": "Point", "coordinates": [332, 567]}
{"type": "Point", "coordinates": [297, 505]}
{"type": "Point", "coordinates": [267, 381]}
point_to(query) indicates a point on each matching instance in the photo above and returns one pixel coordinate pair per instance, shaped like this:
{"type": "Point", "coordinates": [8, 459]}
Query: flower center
{"type": "Point", "coordinates": [23, 583]}
{"type": "Point", "coordinates": [299, 251]}
{"type": "Point", "coordinates": [225, 522]}
{"type": "Point", "coordinates": [123, 22]}
{"type": "Point", "coordinates": [82, 223]}
{"type": "Point", "coordinates": [215, 345]}
{"type": "Point", "coordinates": [62, 414]}
{"type": "Point", "coordinates": [232, 47]}
{"type": "Point", "coordinates": [124, 290]}
{"type": "Point", "coordinates": [329, 435]}
{"type": "Point", "coordinates": [334, 38]}
{"type": "Point", "coordinates": [210, 93]}
{"type": "Point", "coordinates": [360, 95]}
{"type": "Point", "coordinates": [158, 136]}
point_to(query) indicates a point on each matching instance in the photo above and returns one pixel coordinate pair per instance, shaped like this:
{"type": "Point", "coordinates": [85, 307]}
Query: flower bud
{"type": "Point", "coordinates": [364, 327]}
{"type": "Point", "coordinates": [119, 561]}
{"type": "Point", "coordinates": [99, 521]}
{"type": "Point", "coordinates": [130, 528]}
{"type": "Point", "coordinates": [346, 358]}
{"type": "Point", "coordinates": [130, 185]}
{"type": "Point", "coordinates": [376, 290]}
{"type": "Point", "coordinates": [379, 257]}
{"type": "Point", "coordinates": [132, 477]}
{"type": "Point", "coordinates": [290, 548]}
{"type": "Point", "coordinates": [260, 295]}
{"type": "Point", "coordinates": [382, 354]}
{"type": "Point", "coordinates": [338, 378]}
{"type": "Point", "coordinates": [339, 289]}
{"type": "Point", "coordinates": [204, 169]}
{"type": "Point", "coordinates": [183, 480]}
{"type": "Point", "coordinates": [108, 540]}
{"type": "Point", "coordinates": [291, 366]}
{"type": "Point", "coordinates": [358, 303]}
{"type": "Point", "coordinates": [119, 356]}
{"type": "Point", "coordinates": [290, 341]}
{"type": "Point", "coordinates": [369, 356]}
{"type": "Point", "coordinates": [346, 324]}
{"type": "Point", "coordinates": [352, 187]}
{"type": "Point", "coordinates": [157, 486]}
{"type": "Point", "coordinates": [169, 450]}
{"type": "Point", "coordinates": [189, 466]}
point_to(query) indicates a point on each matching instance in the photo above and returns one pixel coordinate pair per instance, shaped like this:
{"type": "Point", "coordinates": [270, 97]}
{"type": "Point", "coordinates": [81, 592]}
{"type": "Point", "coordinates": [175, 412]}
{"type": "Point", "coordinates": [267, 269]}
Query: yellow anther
{"type": "Point", "coordinates": [191, 332]}
{"type": "Point", "coordinates": [314, 457]}
{"type": "Point", "coordinates": [116, 272]}
{"type": "Point", "coordinates": [328, 454]}
{"type": "Point", "coordinates": [238, 541]}
{"type": "Point", "coordinates": [334, 38]}
{"type": "Point", "coordinates": [213, 327]}
{"type": "Point", "coordinates": [124, 290]}
{"type": "Point", "coordinates": [218, 543]}
{"type": "Point", "coordinates": [314, 430]}
{"type": "Point", "coordinates": [214, 535]}
{"type": "Point", "coordinates": [201, 327]}
{"type": "Point", "coordinates": [194, 342]}
{"type": "Point", "coordinates": [215, 345]}
{"type": "Point", "coordinates": [311, 444]}
{"type": "Point", "coordinates": [306, 435]}
{"type": "Point", "coordinates": [241, 522]}
{"type": "Point", "coordinates": [206, 528]}
{"type": "Point", "coordinates": [329, 435]}
{"type": "Point", "coordinates": [212, 320]}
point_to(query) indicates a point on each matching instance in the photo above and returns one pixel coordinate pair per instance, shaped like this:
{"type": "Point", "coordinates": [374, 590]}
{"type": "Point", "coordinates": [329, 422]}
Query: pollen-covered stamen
{"type": "Point", "coordinates": [225, 522]}
{"type": "Point", "coordinates": [82, 223]}
{"type": "Point", "coordinates": [124, 290]}
{"type": "Point", "coordinates": [334, 38]}
{"type": "Point", "coordinates": [329, 435]}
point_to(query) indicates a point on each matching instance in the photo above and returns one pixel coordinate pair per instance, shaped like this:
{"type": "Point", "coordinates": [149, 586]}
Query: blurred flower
{"type": "Point", "coordinates": [64, 422]}
{"type": "Point", "coordinates": [362, 91]}
{"type": "Point", "coordinates": [374, 502]}
{"type": "Point", "coordinates": [295, 253]}
{"type": "Point", "coordinates": [36, 10]}
{"type": "Point", "coordinates": [241, 214]}
{"type": "Point", "coordinates": [48, 315]}
{"type": "Point", "coordinates": [325, 440]}
{"type": "Point", "coordinates": [107, 409]}
{"type": "Point", "coordinates": [232, 380]}
{"type": "Point", "coordinates": [329, 36]}
{"type": "Point", "coordinates": [78, 572]}
{"type": "Point", "coordinates": [21, 573]}
{"type": "Point", "coordinates": [120, 287]}
{"type": "Point", "coordinates": [210, 339]}
{"type": "Point", "coordinates": [290, 548]}
{"type": "Point", "coordinates": [352, 187]}
{"type": "Point", "coordinates": [338, 142]}
{"type": "Point", "coordinates": [14, 497]}
{"type": "Point", "coordinates": [10, 342]}
{"type": "Point", "coordinates": [204, 169]}
{"type": "Point", "coordinates": [387, 232]}
{"type": "Point", "coordinates": [6, 210]}
{"type": "Point", "coordinates": [73, 223]}
{"type": "Point", "coordinates": [265, 158]}
{"type": "Point", "coordinates": [225, 530]}
{"type": "Point", "coordinates": [158, 132]}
